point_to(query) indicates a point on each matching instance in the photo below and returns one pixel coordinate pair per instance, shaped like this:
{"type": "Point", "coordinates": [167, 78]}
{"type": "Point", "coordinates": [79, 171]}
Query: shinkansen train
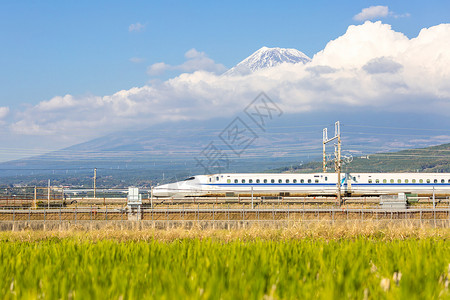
{"type": "Point", "coordinates": [314, 184]}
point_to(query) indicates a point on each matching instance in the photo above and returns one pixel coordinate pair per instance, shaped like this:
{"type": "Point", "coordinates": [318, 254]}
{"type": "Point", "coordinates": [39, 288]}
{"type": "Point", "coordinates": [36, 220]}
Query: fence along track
{"type": "Point", "coordinates": [272, 214]}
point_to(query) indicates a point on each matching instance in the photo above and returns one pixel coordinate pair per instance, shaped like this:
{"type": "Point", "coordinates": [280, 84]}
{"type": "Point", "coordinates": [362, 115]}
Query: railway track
{"type": "Point", "coordinates": [18, 202]}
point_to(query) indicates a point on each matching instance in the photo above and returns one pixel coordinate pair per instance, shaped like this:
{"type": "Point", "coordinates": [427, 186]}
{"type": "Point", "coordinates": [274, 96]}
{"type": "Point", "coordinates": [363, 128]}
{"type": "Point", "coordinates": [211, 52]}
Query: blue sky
{"type": "Point", "coordinates": [76, 70]}
{"type": "Point", "coordinates": [55, 48]}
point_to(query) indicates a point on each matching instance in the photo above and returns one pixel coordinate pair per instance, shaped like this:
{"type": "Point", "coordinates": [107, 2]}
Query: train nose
{"type": "Point", "coordinates": [175, 189]}
{"type": "Point", "coordinates": [163, 191]}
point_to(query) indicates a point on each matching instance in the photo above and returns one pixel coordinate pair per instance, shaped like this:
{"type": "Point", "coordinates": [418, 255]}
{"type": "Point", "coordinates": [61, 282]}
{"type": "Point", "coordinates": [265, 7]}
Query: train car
{"type": "Point", "coordinates": [313, 184]}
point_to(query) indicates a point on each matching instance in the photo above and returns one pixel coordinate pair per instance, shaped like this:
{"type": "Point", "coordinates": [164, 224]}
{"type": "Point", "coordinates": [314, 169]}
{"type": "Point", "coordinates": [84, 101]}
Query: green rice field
{"type": "Point", "coordinates": [223, 265]}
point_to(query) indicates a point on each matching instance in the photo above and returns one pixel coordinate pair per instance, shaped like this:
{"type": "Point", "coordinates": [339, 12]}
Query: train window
{"type": "Point", "coordinates": [265, 180]}
{"type": "Point", "coordinates": [370, 180]}
{"type": "Point", "coordinates": [228, 180]}
{"type": "Point", "coordinates": [406, 180]}
{"type": "Point", "coordinates": [280, 181]}
{"type": "Point", "coordinates": [217, 178]}
{"type": "Point", "coordinates": [236, 181]}
{"type": "Point", "coordinates": [392, 180]}
{"type": "Point", "coordinates": [326, 178]}
{"type": "Point", "coordinates": [399, 180]}
{"type": "Point", "coordinates": [384, 180]}
{"type": "Point", "coordinates": [243, 180]}
{"type": "Point", "coordinates": [435, 181]}
{"type": "Point", "coordinates": [316, 181]}
{"type": "Point", "coordinates": [377, 181]}
{"type": "Point", "coordinates": [287, 180]}
{"type": "Point", "coordinates": [428, 181]}
{"type": "Point", "coordinates": [272, 180]}
{"type": "Point", "coordinates": [354, 179]}
{"type": "Point", "coordinates": [449, 181]}
{"type": "Point", "coordinates": [309, 180]}
{"type": "Point", "coordinates": [257, 180]}
{"type": "Point", "coordinates": [413, 181]}
{"type": "Point", "coordinates": [250, 181]}
{"type": "Point", "coordinates": [443, 181]}
{"type": "Point", "coordinates": [302, 180]}
{"type": "Point", "coordinates": [421, 180]}
{"type": "Point", "coordinates": [209, 179]}
{"type": "Point", "coordinates": [295, 180]}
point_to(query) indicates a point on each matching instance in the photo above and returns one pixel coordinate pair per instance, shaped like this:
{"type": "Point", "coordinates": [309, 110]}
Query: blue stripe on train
{"type": "Point", "coordinates": [326, 184]}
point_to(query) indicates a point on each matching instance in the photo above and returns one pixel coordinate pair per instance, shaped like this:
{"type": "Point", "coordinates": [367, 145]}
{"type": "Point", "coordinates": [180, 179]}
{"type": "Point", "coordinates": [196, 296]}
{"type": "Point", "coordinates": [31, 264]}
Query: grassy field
{"type": "Point", "coordinates": [351, 262]}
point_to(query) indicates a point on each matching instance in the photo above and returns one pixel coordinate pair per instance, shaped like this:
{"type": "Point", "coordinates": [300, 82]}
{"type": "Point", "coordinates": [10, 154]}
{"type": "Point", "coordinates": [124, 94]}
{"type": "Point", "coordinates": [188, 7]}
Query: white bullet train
{"type": "Point", "coordinates": [290, 184]}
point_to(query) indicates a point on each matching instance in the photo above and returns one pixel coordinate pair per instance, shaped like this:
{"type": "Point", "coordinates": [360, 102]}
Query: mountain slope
{"type": "Point", "coordinates": [426, 160]}
{"type": "Point", "coordinates": [267, 58]}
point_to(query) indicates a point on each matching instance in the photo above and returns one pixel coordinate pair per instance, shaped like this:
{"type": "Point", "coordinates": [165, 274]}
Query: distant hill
{"type": "Point", "coordinates": [426, 160]}
{"type": "Point", "coordinates": [430, 159]}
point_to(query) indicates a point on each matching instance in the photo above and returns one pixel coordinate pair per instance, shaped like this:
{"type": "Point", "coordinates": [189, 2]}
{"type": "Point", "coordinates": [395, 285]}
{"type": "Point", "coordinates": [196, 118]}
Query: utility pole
{"type": "Point", "coordinates": [252, 196]}
{"type": "Point", "coordinates": [337, 156]}
{"type": "Point", "coordinates": [48, 194]}
{"type": "Point", "coordinates": [95, 181]}
{"type": "Point", "coordinates": [324, 141]}
{"type": "Point", "coordinates": [151, 198]}
{"type": "Point", "coordinates": [35, 198]}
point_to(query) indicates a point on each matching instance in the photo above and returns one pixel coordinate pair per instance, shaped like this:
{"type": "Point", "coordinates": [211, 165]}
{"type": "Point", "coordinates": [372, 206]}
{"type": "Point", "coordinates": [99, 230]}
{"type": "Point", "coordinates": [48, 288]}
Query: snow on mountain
{"type": "Point", "coordinates": [267, 58]}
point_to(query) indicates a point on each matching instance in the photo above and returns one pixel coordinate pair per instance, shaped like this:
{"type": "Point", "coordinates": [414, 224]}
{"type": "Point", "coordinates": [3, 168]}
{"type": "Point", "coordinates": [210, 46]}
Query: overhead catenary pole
{"type": "Point", "coordinates": [252, 197]}
{"type": "Point", "coordinates": [325, 138]}
{"type": "Point", "coordinates": [151, 198]}
{"type": "Point", "coordinates": [338, 129]}
{"type": "Point", "coordinates": [95, 181]}
{"type": "Point", "coordinates": [35, 198]}
{"type": "Point", "coordinates": [434, 199]}
{"type": "Point", "coordinates": [48, 194]}
{"type": "Point", "coordinates": [337, 156]}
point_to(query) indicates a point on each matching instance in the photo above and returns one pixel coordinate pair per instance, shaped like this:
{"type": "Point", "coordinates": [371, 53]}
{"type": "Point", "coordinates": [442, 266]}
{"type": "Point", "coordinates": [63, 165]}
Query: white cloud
{"type": "Point", "coordinates": [372, 12]}
{"type": "Point", "coordinates": [4, 111]}
{"type": "Point", "coordinates": [377, 12]}
{"type": "Point", "coordinates": [137, 60]}
{"type": "Point", "coordinates": [158, 69]}
{"type": "Point", "coordinates": [136, 27]}
{"type": "Point", "coordinates": [405, 15]}
{"type": "Point", "coordinates": [362, 43]}
{"type": "Point", "coordinates": [381, 65]}
{"type": "Point", "coordinates": [57, 103]}
{"type": "Point", "coordinates": [195, 61]}
{"type": "Point", "coordinates": [369, 67]}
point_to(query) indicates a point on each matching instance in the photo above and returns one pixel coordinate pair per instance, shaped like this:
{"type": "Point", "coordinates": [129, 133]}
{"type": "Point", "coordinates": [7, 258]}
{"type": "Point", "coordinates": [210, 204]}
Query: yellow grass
{"type": "Point", "coordinates": [326, 231]}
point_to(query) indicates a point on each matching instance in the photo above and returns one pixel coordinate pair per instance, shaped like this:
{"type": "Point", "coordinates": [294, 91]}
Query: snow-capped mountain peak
{"type": "Point", "coordinates": [267, 58]}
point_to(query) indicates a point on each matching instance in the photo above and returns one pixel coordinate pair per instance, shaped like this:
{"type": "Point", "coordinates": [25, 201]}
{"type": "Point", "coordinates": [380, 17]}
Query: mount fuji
{"type": "Point", "coordinates": [267, 58]}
